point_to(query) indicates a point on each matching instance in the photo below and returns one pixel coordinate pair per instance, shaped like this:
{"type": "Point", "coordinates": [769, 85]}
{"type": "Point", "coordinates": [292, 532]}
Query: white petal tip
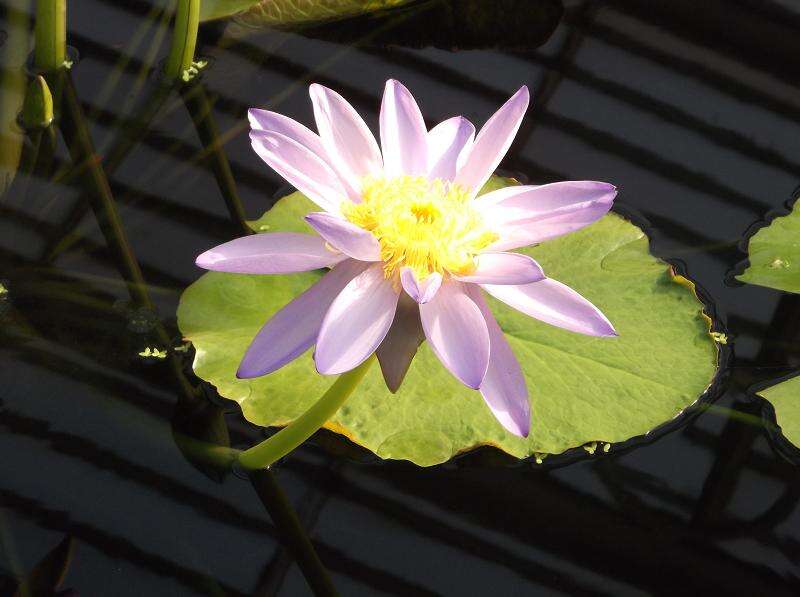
{"type": "Point", "coordinates": [206, 260]}
{"type": "Point", "coordinates": [520, 426]}
{"type": "Point", "coordinates": [524, 93]}
{"type": "Point", "coordinates": [422, 292]}
{"type": "Point", "coordinates": [605, 329]}
{"type": "Point", "coordinates": [605, 332]}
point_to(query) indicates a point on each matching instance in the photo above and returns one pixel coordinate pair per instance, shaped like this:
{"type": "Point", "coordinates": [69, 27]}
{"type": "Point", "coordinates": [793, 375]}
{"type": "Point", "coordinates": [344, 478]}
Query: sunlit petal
{"type": "Point", "coordinates": [403, 133]}
{"type": "Point", "coordinates": [555, 303]}
{"type": "Point", "coordinates": [504, 268]}
{"type": "Point", "coordinates": [346, 237]}
{"type": "Point", "coordinates": [293, 330]}
{"type": "Point", "coordinates": [351, 147]}
{"type": "Point", "coordinates": [421, 291]}
{"type": "Point", "coordinates": [493, 142]}
{"type": "Point", "coordinates": [302, 168]}
{"type": "Point", "coordinates": [457, 333]}
{"type": "Point", "coordinates": [449, 143]}
{"type": "Point", "coordinates": [270, 253]}
{"type": "Point", "coordinates": [504, 388]}
{"type": "Point", "coordinates": [356, 322]}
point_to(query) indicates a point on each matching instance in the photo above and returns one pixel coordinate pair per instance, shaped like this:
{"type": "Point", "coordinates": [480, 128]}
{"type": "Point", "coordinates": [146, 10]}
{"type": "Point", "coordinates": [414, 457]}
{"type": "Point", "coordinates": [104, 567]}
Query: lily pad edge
{"type": "Point", "coordinates": [780, 443]}
{"type": "Point", "coordinates": [785, 209]}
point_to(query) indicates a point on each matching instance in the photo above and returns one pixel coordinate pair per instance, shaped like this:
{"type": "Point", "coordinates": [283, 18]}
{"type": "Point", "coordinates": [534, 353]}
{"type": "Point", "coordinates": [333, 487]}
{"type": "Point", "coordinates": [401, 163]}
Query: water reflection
{"type": "Point", "coordinates": [97, 245]}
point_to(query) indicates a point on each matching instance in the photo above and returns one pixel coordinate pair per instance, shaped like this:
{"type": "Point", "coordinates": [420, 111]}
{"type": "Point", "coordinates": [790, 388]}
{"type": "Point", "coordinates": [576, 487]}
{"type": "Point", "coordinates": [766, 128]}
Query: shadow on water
{"type": "Point", "coordinates": [106, 487]}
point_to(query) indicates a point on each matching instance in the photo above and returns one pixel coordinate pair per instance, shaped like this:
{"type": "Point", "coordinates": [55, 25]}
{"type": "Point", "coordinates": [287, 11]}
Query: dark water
{"type": "Point", "coordinates": [692, 109]}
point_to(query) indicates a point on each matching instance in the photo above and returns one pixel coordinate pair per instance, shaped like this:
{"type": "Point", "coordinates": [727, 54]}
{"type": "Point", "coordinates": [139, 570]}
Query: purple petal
{"type": "Point", "coordinates": [270, 253]}
{"type": "Point", "coordinates": [403, 133]}
{"type": "Point", "coordinates": [401, 343]}
{"type": "Point", "coordinates": [457, 332]}
{"type": "Point", "coordinates": [449, 143]}
{"type": "Point", "coordinates": [265, 120]}
{"type": "Point", "coordinates": [493, 142]}
{"type": "Point", "coordinates": [351, 147]}
{"type": "Point", "coordinates": [504, 388]}
{"type": "Point", "coordinates": [523, 200]}
{"type": "Point", "coordinates": [526, 215]}
{"type": "Point", "coordinates": [356, 322]}
{"type": "Point", "coordinates": [421, 292]}
{"type": "Point", "coordinates": [301, 167]}
{"type": "Point", "coordinates": [555, 303]}
{"type": "Point", "coordinates": [346, 237]}
{"type": "Point", "coordinates": [294, 329]}
{"type": "Point", "coordinates": [504, 268]}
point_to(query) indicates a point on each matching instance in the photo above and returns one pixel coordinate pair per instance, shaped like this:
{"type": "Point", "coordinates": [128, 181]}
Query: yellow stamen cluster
{"type": "Point", "coordinates": [427, 225]}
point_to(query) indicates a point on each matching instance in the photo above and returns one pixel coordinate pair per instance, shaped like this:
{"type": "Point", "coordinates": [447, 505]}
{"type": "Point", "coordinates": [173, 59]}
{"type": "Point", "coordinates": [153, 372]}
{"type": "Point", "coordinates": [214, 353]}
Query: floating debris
{"type": "Point", "coordinates": [153, 353]}
{"type": "Point", "coordinates": [719, 337]}
{"type": "Point", "coordinates": [194, 70]}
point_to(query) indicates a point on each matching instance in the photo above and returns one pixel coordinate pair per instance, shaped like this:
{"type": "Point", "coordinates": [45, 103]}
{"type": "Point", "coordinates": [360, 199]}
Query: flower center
{"type": "Point", "coordinates": [427, 225]}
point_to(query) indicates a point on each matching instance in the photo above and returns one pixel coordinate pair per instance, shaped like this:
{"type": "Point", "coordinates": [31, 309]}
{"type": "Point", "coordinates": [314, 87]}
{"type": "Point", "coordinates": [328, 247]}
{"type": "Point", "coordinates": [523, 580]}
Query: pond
{"type": "Point", "coordinates": [691, 109]}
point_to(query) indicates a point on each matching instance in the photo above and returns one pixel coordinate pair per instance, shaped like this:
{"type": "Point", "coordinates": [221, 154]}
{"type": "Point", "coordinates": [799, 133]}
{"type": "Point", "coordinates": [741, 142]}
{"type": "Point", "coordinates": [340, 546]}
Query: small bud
{"type": "Point", "coordinates": [37, 110]}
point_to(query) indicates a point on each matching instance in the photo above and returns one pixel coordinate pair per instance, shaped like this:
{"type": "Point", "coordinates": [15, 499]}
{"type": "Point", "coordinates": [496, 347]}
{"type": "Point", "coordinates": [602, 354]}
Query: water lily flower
{"type": "Point", "coordinates": [410, 246]}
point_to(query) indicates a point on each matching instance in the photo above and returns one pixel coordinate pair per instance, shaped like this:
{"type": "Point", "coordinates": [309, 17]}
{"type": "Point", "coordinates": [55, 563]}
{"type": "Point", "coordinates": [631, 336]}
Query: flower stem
{"type": "Point", "coordinates": [291, 532]}
{"type": "Point", "coordinates": [184, 38]}
{"type": "Point", "coordinates": [50, 51]}
{"type": "Point", "coordinates": [287, 439]}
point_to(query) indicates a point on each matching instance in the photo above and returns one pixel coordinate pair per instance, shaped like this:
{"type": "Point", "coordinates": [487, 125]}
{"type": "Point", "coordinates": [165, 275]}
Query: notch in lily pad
{"type": "Point", "coordinates": [774, 254]}
{"type": "Point", "coordinates": [784, 398]}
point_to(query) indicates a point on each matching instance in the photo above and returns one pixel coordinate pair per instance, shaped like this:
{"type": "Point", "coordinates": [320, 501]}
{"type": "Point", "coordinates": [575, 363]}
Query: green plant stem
{"type": "Point", "coordinates": [76, 135]}
{"type": "Point", "coordinates": [287, 439]}
{"type": "Point", "coordinates": [50, 51]}
{"type": "Point", "coordinates": [79, 142]}
{"type": "Point", "coordinates": [131, 134]}
{"type": "Point", "coordinates": [15, 15]}
{"type": "Point", "coordinates": [184, 38]}
{"type": "Point", "coordinates": [291, 532]}
{"type": "Point", "coordinates": [199, 106]}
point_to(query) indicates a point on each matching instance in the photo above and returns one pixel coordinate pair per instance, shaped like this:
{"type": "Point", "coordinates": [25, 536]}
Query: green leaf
{"type": "Point", "coordinates": [13, 82]}
{"type": "Point", "coordinates": [774, 254]}
{"type": "Point", "coordinates": [270, 13]}
{"type": "Point", "coordinates": [582, 389]}
{"type": "Point", "coordinates": [785, 399]}
{"type": "Point", "coordinates": [516, 25]}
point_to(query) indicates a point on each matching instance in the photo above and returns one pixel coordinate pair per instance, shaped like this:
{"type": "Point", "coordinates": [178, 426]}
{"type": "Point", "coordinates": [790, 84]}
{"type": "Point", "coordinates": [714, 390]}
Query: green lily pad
{"type": "Point", "coordinates": [271, 13]}
{"type": "Point", "coordinates": [774, 254]}
{"type": "Point", "coordinates": [582, 389]}
{"type": "Point", "coordinates": [785, 399]}
{"type": "Point", "coordinates": [452, 25]}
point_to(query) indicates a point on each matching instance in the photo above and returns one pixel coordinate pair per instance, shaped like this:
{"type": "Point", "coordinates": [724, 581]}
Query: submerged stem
{"type": "Point", "coordinates": [291, 532]}
{"type": "Point", "coordinates": [287, 439]}
{"type": "Point", "coordinates": [184, 38]}
{"type": "Point", "coordinates": [50, 51]}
